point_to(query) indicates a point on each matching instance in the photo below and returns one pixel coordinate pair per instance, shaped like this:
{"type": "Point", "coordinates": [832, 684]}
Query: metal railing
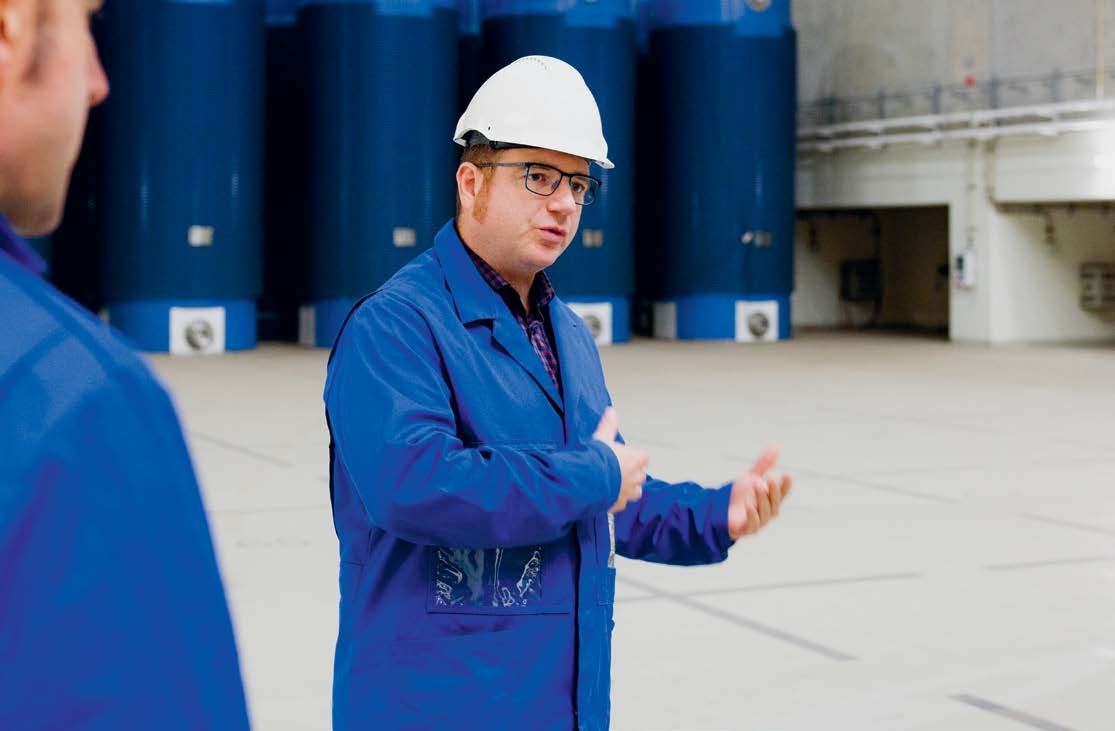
{"type": "Point", "coordinates": [1033, 105]}
{"type": "Point", "coordinates": [1052, 88]}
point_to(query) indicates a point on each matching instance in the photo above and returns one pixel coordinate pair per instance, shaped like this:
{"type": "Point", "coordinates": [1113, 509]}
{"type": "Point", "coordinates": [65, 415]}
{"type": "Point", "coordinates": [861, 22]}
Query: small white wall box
{"type": "Point", "coordinates": [964, 269]}
{"type": "Point", "coordinates": [598, 318]}
{"type": "Point", "coordinates": [1097, 286]}
{"type": "Point", "coordinates": [197, 330]}
{"type": "Point", "coordinates": [756, 322]}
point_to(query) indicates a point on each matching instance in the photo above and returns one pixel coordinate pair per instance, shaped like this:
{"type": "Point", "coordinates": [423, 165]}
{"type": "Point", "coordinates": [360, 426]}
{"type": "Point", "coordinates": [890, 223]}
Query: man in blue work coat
{"type": "Point", "coordinates": [480, 490]}
{"type": "Point", "coordinates": [112, 613]}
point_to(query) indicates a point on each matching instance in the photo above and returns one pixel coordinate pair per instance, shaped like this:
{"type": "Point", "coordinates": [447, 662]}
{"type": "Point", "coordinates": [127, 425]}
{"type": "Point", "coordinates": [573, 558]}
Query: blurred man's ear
{"type": "Point", "coordinates": [14, 25]}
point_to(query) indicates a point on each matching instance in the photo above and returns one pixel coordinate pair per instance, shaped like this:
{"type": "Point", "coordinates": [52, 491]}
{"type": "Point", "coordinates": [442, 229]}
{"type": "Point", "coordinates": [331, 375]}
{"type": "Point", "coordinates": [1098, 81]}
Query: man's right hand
{"type": "Point", "coordinates": [632, 461]}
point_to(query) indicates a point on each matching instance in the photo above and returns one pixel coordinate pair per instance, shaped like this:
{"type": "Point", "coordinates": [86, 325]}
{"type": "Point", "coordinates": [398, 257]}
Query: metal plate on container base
{"type": "Point", "coordinates": [756, 321]}
{"type": "Point", "coordinates": [197, 330]}
{"type": "Point", "coordinates": [598, 319]}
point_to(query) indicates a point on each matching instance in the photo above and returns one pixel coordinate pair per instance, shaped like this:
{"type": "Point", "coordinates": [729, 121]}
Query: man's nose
{"type": "Point", "coordinates": [562, 198]}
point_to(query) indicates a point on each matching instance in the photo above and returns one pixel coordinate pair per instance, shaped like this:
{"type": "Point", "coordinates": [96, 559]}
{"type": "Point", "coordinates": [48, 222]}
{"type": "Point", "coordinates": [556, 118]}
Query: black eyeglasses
{"type": "Point", "coordinates": [545, 180]}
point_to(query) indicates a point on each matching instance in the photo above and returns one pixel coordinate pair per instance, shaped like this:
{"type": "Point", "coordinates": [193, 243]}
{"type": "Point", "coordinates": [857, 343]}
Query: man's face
{"type": "Point", "coordinates": [50, 77]}
{"type": "Point", "coordinates": [518, 232]}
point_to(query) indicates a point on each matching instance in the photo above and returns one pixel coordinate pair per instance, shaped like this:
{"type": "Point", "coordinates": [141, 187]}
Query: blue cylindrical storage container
{"type": "Point", "coordinates": [596, 274]}
{"type": "Point", "coordinates": [646, 228]}
{"type": "Point", "coordinates": [725, 75]}
{"type": "Point", "coordinates": [284, 177]}
{"type": "Point", "coordinates": [382, 98]}
{"type": "Point", "coordinates": [179, 205]}
{"type": "Point", "coordinates": [470, 57]}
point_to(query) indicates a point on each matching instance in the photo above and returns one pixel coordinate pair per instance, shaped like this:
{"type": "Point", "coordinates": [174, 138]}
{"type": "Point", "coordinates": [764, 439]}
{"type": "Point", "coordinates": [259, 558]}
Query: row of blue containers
{"type": "Point", "coordinates": [297, 153]}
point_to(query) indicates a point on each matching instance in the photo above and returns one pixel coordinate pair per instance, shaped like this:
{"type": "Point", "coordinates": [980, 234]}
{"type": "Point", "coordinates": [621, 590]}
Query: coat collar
{"type": "Point", "coordinates": [17, 249]}
{"type": "Point", "coordinates": [477, 302]}
{"type": "Point", "coordinates": [474, 299]}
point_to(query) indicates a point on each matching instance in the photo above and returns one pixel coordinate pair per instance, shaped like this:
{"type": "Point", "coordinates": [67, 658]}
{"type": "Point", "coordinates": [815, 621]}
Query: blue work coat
{"type": "Point", "coordinates": [470, 500]}
{"type": "Point", "coordinates": [112, 613]}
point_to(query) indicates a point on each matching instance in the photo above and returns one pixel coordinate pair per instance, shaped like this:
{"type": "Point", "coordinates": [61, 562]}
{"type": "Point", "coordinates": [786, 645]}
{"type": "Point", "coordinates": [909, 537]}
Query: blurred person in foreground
{"type": "Point", "coordinates": [112, 612]}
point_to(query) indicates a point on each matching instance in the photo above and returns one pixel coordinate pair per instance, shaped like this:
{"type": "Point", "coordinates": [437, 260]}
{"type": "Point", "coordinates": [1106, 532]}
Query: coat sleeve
{"type": "Point", "coordinates": [112, 612]}
{"type": "Point", "coordinates": [391, 416]}
{"type": "Point", "coordinates": [683, 524]}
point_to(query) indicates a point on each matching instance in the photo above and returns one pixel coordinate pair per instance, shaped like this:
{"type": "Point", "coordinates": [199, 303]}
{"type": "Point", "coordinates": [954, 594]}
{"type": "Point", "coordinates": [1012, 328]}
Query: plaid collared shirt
{"type": "Point", "coordinates": [533, 323]}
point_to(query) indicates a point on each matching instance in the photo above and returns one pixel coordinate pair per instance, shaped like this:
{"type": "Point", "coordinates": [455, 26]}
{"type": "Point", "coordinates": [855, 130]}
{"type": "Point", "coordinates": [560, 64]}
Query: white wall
{"type": "Point", "coordinates": [1037, 285]}
{"type": "Point", "coordinates": [859, 47]}
{"type": "Point", "coordinates": [1021, 294]}
{"type": "Point", "coordinates": [948, 175]}
{"type": "Point", "coordinates": [1072, 167]}
{"type": "Point", "coordinates": [1023, 291]}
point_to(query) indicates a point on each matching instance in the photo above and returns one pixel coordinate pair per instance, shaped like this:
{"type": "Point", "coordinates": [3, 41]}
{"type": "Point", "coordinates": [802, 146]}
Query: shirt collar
{"type": "Point", "coordinates": [541, 291]}
{"type": "Point", "coordinates": [16, 248]}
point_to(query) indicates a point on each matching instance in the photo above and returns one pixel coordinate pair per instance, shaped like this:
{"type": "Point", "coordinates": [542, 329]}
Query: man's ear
{"type": "Point", "coordinates": [469, 183]}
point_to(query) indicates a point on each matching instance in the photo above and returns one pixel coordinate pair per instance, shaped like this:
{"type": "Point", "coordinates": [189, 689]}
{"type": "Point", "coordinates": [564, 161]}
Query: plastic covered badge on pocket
{"type": "Point", "coordinates": [486, 578]}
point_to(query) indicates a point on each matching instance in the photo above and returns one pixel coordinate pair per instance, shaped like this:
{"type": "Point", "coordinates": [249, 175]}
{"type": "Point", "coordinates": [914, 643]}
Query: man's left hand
{"type": "Point", "coordinates": [757, 496]}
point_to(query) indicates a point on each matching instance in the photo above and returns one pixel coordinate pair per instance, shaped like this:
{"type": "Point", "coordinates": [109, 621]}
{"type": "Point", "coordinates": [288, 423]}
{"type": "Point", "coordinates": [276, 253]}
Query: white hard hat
{"type": "Point", "coordinates": [537, 101]}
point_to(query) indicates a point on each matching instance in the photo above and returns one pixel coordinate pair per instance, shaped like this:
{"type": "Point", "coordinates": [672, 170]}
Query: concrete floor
{"type": "Point", "coordinates": [946, 561]}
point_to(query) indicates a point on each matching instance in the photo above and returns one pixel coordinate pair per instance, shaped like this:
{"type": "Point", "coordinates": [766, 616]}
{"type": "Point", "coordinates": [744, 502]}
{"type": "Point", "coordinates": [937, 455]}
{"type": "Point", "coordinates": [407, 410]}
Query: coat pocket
{"type": "Point", "coordinates": [493, 581]}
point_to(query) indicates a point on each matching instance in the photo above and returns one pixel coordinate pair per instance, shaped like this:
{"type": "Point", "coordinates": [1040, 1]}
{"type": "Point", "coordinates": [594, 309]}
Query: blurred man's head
{"type": "Point", "coordinates": [50, 76]}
